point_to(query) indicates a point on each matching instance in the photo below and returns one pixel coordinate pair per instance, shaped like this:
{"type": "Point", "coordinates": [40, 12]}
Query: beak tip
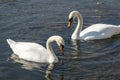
{"type": "Point", "coordinates": [68, 25]}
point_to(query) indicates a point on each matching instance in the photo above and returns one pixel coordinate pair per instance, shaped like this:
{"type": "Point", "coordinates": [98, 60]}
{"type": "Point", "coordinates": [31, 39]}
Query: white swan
{"type": "Point", "coordinates": [93, 32]}
{"type": "Point", "coordinates": [35, 52]}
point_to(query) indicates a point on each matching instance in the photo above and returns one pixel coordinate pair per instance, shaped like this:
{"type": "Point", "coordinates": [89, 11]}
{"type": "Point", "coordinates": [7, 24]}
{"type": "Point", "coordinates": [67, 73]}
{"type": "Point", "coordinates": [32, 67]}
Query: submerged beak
{"type": "Point", "coordinates": [62, 49]}
{"type": "Point", "coordinates": [70, 22]}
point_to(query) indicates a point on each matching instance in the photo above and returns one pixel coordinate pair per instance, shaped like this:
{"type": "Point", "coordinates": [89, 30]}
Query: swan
{"type": "Point", "coordinates": [35, 52]}
{"type": "Point", "coordinates": [93, 32]}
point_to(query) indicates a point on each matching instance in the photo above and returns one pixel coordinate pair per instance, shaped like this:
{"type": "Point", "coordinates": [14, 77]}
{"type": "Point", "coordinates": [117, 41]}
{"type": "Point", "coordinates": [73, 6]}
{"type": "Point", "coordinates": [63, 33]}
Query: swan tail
{"type": "Point", "coordinates": [10, 42]}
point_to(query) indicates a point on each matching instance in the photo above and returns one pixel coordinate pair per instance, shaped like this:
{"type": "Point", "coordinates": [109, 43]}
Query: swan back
{"type": "Point", "coordinates": [99, 31]}
{"type": "Point", "coordinates": [29, 51]}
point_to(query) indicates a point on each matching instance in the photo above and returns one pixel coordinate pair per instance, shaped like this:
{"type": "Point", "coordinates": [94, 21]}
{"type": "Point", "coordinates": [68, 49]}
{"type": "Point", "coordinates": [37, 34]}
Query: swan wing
{"type": "Point", "coordinates": [29, 51]}
{"type": "Point", "coordinates": [99, 31]}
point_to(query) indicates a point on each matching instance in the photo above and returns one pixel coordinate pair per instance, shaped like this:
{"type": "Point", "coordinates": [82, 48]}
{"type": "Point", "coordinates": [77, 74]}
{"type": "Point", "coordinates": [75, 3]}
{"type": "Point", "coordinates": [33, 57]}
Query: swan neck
{"type": "Point", "coordinates": [51, 54]}
{"type": "Point", "coordinates": [80, 22]}
{"type": "Point", "coordinates": [78, 29]}
{"type": "Point", "coordinates": [49, 47]}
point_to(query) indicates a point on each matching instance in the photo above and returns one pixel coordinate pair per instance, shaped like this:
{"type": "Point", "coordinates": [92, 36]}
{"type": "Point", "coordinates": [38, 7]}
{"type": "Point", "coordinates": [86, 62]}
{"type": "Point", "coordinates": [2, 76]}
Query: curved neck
{"type": "Point", "coordinates": [78, 29]}
{"type": "Point", "coordinates": [51, 54]}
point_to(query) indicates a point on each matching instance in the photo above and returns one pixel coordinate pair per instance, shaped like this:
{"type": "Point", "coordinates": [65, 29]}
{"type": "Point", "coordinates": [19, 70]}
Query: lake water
{"type": "Point", "coordinates": [37, 20]}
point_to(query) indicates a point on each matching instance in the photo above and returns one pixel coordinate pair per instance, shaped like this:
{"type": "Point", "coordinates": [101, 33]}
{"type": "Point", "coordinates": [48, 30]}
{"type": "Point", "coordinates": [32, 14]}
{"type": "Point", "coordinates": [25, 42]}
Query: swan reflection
{"type": "Point", "coordinates": [76, 44]}
{"type": "Point", "coordinates": [48, 71]}
{"type": "Point", "coordinates": [39, 67]}
{"type": "Point", "coordinates": [48, 75]}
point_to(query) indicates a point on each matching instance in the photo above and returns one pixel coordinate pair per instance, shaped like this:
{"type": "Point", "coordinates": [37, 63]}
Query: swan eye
{"type": "Point", "coordinates": [71, 19]}
{"type": "Point", "coordinates": [61, 45]}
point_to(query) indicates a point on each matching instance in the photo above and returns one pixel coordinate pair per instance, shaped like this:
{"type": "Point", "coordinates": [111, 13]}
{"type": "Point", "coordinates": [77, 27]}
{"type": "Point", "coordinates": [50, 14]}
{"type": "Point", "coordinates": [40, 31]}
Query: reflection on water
{"type": "Point", "coordinates": [76, 47]}
{"type": "Point", "coordinates": [36, 66]}
{"type": "Point", "coordinates": [48, 71]}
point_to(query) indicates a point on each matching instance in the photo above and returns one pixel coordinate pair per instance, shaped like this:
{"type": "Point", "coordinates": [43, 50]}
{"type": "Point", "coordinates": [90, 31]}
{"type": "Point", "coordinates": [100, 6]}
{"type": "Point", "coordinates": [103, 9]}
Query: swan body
{"type": "Point", "coordinates": [93, 32]}
{"type": "Point", "coordinates": [35, 52]}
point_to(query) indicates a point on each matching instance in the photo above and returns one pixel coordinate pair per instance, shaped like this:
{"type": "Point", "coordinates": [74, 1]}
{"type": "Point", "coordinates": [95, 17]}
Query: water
{"type": "Point", "coordinates": [36, 20]}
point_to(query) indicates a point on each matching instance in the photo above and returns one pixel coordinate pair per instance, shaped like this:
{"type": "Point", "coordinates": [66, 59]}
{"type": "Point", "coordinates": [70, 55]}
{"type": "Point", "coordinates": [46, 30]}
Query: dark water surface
{"type": "Point", "coordinates": [36, 20]}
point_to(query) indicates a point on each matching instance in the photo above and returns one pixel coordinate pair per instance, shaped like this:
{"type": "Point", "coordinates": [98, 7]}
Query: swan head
{"type": "Point", "coordinates": [60, 42]}
{"type": "Point", "coordinates": [72, 16]}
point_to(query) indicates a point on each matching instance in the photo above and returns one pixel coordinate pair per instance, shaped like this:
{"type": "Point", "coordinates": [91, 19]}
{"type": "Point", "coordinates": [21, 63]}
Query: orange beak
{"type": "Point", "coordinates": [62, 49]}
{"type": "Point", "coordinates": [69, 23]}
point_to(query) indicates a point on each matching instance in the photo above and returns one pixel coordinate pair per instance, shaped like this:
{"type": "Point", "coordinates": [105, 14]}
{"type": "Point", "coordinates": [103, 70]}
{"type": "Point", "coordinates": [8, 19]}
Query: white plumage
{"type": "Point", "coordinates": [35, 52]}
{"type": "Point", "coordinates": [93, 32]}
